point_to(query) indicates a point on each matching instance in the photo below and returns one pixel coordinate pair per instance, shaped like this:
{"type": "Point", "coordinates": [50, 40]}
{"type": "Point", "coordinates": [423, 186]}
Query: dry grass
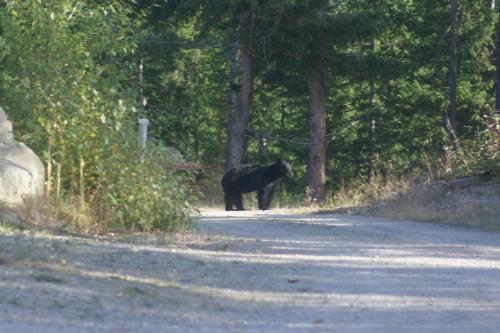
{"type": "Point", "coordinates": [468, 201]}
{"type": "Point", "coordinates": [359, 196]}
{"type": "Point", "coordinates": [444, 192]}
{"type": "Point", "coordinates": [475, 205]}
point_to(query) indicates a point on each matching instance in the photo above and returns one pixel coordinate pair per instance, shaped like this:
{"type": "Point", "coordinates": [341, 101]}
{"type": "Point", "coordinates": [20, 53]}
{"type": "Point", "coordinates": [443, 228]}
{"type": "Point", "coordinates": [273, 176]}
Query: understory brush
{"type": "Point", "coordinates": [463, 187]}
{"type": "Point", "coordinates": [137, 193]}
{"type": "Point", "coordinates": [66, 87]}
{"type": "Point", "coordinates": [134, 194]}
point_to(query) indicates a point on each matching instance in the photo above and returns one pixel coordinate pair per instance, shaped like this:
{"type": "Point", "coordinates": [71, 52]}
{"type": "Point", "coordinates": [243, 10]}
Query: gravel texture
{"type": "Point", "coordinates": [256, 272]}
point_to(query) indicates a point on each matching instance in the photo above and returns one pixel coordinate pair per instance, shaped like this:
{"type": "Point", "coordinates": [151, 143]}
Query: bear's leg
{"type": "Point", "coordinates": [238, 200]}
{"type": "Point", "coordinates": [268, 194]}
{"type": "Point", "coordinates": [260, 198]}
{"type": "Point", "coordinates": [228, 200]}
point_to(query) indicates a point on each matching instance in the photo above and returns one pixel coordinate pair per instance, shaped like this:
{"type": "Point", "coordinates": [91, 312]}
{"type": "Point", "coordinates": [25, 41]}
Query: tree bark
{"type": "Point", "coordinates": [239, 116]}
{"type": "Point", "coordinates": [317, 132]}
{"type": "Point", "coordinates": [372, 111]}
{"type": "Point", "coordinates": [371, 133]}
{"type": "Point", "coordinates": [497, 74]}
{"type": "Point", "coordinates": [232, 114]}
{"type": "Point", "coordinates": [247, 78]}
{"type": "Point", "coordinates": [371, 118]}
{"type": "Point", "coordinates": [451, 116]}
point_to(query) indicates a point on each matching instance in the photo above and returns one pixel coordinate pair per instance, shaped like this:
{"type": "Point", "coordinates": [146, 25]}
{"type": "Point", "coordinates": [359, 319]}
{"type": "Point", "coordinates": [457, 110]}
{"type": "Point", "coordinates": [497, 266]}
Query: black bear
{"type": "Point", "coordinates": [249, 178]}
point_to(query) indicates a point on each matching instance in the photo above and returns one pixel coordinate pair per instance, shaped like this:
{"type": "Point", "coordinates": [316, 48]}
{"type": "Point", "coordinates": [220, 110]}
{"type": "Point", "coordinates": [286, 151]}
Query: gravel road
{"type": "Point", "coordinates": [257, 273]}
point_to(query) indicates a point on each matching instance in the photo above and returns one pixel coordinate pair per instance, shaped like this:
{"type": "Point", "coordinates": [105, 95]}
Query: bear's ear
{"type": "Point", "coordinates": [278, 160]}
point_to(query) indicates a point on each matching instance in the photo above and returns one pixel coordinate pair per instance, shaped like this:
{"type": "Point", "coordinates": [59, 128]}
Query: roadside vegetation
{"type": "Point", "coordinates": [469, 196]}
{"type": "Point", "coordinates": [368, 100]}
{"type": "Point", "coordinates": [67, 84]}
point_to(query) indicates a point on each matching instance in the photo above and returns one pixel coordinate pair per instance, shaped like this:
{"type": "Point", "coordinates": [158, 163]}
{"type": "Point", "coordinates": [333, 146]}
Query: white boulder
{"type": "Point", "coordinates": [22, 174]}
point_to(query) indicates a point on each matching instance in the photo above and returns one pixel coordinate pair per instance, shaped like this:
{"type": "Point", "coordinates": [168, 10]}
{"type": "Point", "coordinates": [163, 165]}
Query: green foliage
{"type": "Point", "coordinates": [479, 156]}
{"type": "Point", "coordinates": [400, 47]}
{"type": "Point", "coordinates": [66, 86]}
{"type": "Point", "coordinates": [70, 81]}
{"type": "Point", "coordinates": [143, 196]}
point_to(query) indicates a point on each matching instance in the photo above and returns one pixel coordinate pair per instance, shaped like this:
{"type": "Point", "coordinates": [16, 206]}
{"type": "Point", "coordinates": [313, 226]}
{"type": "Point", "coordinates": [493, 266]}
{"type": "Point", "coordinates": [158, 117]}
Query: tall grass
{"type": "Point", "coordinates": [461, 188]}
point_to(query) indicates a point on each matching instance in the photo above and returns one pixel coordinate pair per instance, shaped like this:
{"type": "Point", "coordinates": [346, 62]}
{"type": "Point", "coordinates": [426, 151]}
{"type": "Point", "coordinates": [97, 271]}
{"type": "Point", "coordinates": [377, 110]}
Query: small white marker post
{"type": "Point", "coordinates": [143, 133]}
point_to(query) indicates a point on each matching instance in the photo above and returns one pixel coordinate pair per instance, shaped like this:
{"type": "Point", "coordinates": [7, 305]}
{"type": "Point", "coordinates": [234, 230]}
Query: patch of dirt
{"type": "Point", "coordinates": [256, 272]}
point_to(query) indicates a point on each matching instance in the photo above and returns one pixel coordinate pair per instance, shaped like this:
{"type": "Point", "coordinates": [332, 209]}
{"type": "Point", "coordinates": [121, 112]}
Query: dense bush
{"type": "Point", "coordinates": [69, 85]}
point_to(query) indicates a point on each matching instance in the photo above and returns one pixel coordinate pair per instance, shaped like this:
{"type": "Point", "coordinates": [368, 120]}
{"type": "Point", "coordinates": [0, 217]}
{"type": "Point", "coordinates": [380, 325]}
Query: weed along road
{"type": "Point", "coordinates": [257, 272]}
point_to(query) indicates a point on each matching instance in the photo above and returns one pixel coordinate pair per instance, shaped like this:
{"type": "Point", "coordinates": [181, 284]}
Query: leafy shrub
{"type": "Point", "coordinates": [482, 155]}
{"type": "Point", "coordinates": [66, 85]}
{"type": "Point", "coordinates": [142, 196]}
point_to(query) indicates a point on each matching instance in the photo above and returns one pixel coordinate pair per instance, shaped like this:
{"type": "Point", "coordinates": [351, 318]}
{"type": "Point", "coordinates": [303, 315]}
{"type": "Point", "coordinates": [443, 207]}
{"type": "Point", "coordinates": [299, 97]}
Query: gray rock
{"type": "Point", "coordinates": [6, 136]}
{"type": "Point", "coordinates": [22, 174]}
{"type": "Point", "coordinates": [3, 115]}
{"type": "Point", "coordinates": [10, 218]}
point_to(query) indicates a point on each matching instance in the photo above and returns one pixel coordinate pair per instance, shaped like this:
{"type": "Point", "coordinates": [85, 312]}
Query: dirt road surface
{"type": "Point", "coordinates": [256, 273]}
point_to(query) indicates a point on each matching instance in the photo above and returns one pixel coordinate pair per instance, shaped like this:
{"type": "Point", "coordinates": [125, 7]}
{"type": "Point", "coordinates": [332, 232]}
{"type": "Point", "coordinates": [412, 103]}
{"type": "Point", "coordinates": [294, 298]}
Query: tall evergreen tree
{"type": "Point", "coordinates": [238, 119]}
{"type": "Point", "coordinates": [451, 115]}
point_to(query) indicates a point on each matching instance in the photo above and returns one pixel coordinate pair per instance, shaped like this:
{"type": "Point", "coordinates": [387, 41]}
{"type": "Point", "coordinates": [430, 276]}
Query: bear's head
{"type": "Point", "coordinates": [285, 168]}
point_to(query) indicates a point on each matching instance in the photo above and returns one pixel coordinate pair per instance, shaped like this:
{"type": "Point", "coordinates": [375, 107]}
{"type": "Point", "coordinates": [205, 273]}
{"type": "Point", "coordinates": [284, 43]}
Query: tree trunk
{"type": "Point", "coordinates": [371, 133]}
{"type": "Point", "coordinates": [239, 115]}
{"type": "Point", "coordinates": [492, 122]}
{"type": "Point", "coordinates": [232, 114]}
{"type": "Point", "coordinates": [317, 132]}
{"type": "Point", "coordinates": [246, 78]}
{"type": "Point", "coordinates": [497, 74]}
{"type": "Point", "coordinates": [372, 111]}
{"type": "Point", "coordinates": [451, 116]}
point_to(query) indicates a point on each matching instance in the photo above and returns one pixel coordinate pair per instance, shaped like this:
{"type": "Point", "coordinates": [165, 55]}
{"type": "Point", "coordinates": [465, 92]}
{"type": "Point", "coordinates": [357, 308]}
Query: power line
{"type": "Point", "coordinates": [287, 138]}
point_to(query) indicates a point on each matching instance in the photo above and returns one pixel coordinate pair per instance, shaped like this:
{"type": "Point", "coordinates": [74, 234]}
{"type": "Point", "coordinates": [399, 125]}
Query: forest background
{"type": "Point", "coordinates": [350, 92]}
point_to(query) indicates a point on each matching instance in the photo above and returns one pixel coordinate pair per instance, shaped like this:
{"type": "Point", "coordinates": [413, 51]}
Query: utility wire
{"type": "Point", "coordinates": [287, 138]}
